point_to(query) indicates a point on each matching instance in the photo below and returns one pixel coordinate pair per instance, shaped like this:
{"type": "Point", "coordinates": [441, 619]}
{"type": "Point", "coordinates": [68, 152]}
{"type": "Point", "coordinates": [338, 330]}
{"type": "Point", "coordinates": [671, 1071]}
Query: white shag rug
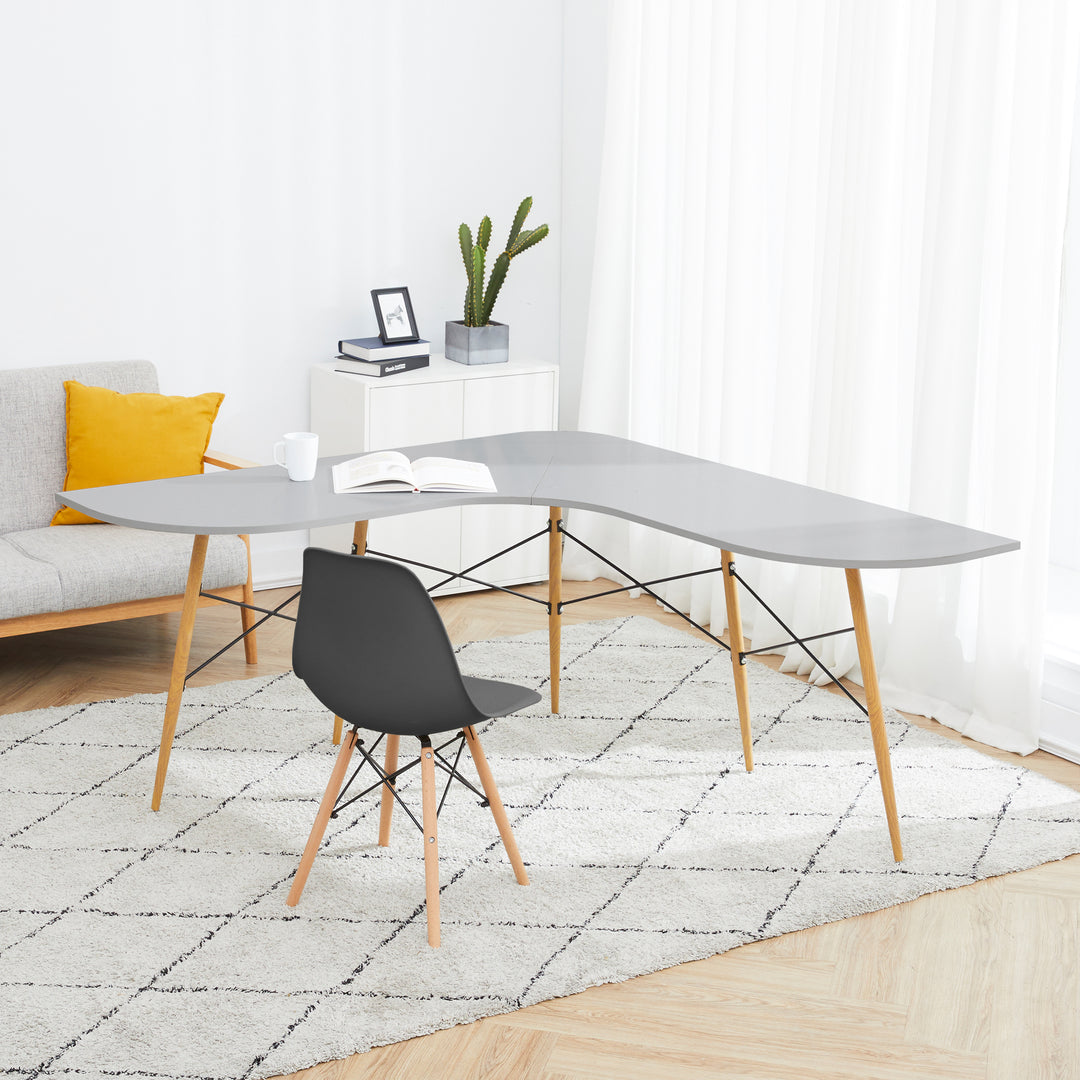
{"type": "Point", "coordinates": [159, 945]}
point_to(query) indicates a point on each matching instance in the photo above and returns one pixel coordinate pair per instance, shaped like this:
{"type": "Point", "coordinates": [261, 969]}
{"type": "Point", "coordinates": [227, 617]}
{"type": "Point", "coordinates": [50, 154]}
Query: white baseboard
{"type": "Point", "coordinates": [1060, 732]}
{"type": "Point", "coordinates": [1060, 721]}
{"type": "Point", "coordinates": [1068, 751]}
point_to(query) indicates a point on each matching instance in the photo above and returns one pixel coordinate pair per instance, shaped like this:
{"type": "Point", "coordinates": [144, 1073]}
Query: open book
{"type": "Point", "coordinates": [388, 470]}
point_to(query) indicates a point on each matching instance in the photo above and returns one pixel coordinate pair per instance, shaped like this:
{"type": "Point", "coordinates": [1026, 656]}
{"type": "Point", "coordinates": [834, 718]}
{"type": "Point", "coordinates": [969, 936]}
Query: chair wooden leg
{"type": "Point", "coordinates": [738, 664]}
{"type": "Point", "coordinates": [333, 788]}
{"type": "Point", "coordinates": [431, 842]}
{"type": "Point", "coordinates": [554, 599]}
{"type": "Point", "coordinates": [873, 707]}
{"type": "Point", "coordinates": [339, 725]}
{"type": "Point", "coordinates": [247, 616]}
{"type": "Point", "coordinates": [498, 811]}
{"type": "Point", "coordinates": [180, 662]}
{"type": "Point", "coordinates": [386, 808]}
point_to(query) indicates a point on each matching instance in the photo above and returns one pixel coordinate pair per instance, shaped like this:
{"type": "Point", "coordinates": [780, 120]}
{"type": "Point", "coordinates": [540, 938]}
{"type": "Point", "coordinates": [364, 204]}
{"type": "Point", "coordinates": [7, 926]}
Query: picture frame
{"type": "Point", "coordinates": [393, 309]}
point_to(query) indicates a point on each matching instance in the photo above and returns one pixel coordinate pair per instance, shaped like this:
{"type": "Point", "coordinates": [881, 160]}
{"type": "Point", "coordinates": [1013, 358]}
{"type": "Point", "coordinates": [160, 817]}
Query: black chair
{"type": "Point", "coordinates": [372, 648]}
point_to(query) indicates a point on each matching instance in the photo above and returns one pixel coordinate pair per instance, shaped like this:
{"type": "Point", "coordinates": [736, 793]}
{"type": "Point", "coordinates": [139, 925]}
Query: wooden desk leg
{"type": "Point", "coordinates": [326, 808]}
{"type": "Point", "coordinates": [738, 662]}
{"type": "Point", "coordinates": [873, 706]}
{"type": "Point", "coordinates": [180, 662]}
{"type": "Point", "coordinates": [386, 809]}
{"type": "Point", "coordinates": [359, 539]}
{"type": "Point", "coordinates": [247, 616]}
{"type": "Point", "coordinates": [554, 599]}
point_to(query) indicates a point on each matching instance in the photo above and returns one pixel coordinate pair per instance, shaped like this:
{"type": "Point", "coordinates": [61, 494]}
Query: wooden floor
{"type": "Point", "coordinates": [982, 981]}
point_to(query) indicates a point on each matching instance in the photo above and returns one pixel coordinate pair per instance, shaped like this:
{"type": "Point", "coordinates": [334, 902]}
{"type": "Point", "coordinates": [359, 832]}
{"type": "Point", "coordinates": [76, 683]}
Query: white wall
{"type": "Point", "coordinates": [216, 185]}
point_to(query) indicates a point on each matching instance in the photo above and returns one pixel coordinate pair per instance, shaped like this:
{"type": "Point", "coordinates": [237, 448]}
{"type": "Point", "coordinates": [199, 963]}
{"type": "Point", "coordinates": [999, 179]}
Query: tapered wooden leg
{"type": "Point", "coordinates": [359, 538]}
{"type": "Point", "coordinates": [247, 616]}
{"type": "Point", "coordinates": [386, 809]}
{"type": "Point", "coordinates": [554, 599]}
{"type": "Point", "coordinates": [738, 661]}
{"type": "Point", "coordinates": [873, 706]}
{"type": "Point", "coordinates": [333, 788]}
{"type": "Point", "coordinates": [180, 662]}
{"type": "Point", "coordinates": [498, 811]}
{"type": "Point", "coordinates": [431, 842]}
{"type": "Point", "coordinates": [360, 529]}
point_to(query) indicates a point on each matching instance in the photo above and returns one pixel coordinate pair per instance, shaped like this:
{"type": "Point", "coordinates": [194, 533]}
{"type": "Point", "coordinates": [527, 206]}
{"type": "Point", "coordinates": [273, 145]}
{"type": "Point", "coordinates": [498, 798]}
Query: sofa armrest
{"type": "Point", "coordinates": [227, 461]}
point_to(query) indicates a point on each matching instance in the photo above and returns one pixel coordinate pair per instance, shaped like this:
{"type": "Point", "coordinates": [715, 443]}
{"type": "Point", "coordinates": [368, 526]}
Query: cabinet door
{"type": "Point", "coordinates": [403, 416]}
{"type": "Point", "coordinates": [497, 406]}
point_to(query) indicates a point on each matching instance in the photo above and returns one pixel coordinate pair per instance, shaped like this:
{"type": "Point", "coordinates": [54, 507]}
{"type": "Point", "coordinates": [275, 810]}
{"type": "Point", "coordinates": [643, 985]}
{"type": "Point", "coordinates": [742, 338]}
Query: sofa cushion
{"type": "Point", "coordinates": [27, 587]}
{"type": "Point", "coordinates": [108, 564]}
{"type": "Point", "coordinates": [33, 427]}
{"type": "Point", "coordinates": [124, 438]}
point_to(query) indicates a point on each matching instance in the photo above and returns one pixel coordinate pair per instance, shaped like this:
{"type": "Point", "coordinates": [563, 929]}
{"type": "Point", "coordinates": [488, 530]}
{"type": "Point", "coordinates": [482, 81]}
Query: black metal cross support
{"type": "Point", "coordinates": [491, 558]}
{"type": "Point", "coordinates": [796, 640]}
{"type": "Point", "coordinates": [464, 574]}
{"type": "Point", "coordinates": [643, 585]}
{"type": "Point", "coordinates": [267, 614]}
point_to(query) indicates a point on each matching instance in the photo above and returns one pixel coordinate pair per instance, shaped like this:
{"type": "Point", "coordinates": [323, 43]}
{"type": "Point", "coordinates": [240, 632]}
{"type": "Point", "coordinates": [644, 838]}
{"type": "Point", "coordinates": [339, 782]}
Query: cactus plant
{"type": "Point", "coordinates": [479, 300]}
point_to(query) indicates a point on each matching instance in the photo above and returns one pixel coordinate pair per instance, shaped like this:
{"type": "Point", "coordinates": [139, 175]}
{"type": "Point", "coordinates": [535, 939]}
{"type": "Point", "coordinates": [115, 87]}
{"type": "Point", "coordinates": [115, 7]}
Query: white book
{"type": "Point", "coordinates": [389, 470]}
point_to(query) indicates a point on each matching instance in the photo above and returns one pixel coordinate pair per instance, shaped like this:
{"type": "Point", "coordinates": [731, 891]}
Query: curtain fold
{"type": "Point", "coordinates": [829, 249]}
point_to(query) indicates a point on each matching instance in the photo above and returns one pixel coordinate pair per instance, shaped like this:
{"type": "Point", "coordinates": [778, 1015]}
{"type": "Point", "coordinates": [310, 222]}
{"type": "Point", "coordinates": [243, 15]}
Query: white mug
{"type": "Point", "coordinates": [299, 454]}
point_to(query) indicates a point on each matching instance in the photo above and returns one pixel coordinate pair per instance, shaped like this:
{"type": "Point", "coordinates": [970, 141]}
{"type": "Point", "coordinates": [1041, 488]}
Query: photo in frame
{"type": "Point", "coordinates": [393, 309]}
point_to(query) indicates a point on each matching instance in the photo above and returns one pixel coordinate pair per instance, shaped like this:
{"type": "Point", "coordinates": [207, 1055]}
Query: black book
{"type": "Point", "coordinates": [378, 368]}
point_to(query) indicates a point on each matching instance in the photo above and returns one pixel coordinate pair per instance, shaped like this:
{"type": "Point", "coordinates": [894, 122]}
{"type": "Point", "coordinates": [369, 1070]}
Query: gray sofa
{"type": "Point", "coordinates": [68, 575]}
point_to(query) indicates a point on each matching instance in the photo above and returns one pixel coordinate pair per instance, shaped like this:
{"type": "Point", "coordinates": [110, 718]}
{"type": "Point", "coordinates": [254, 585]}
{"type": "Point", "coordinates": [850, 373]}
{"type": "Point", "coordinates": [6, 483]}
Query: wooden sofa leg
{"type": "Point", "coordinates": [247, 616]}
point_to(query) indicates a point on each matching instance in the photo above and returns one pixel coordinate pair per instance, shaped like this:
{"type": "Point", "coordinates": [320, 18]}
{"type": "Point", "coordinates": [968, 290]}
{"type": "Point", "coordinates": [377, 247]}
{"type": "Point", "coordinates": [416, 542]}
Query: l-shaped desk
{"type": "Point", "coordinates": [729, 509]}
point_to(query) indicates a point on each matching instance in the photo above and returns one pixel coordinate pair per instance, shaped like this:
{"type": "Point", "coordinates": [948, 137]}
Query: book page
{"type": "Point", "coordinates": [452, 474]}
{"type": "Point", "coordinates": [386, 466]}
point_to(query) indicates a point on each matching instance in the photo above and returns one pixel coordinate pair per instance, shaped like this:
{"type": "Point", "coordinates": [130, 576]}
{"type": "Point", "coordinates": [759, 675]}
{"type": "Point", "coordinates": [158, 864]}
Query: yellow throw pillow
{"type": "Point", "coordinates": [117, 438]}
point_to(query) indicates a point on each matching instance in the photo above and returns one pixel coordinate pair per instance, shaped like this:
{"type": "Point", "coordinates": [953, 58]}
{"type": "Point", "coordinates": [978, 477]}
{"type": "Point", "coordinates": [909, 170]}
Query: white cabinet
{"type": "Point", "coordinates": [359, 414]}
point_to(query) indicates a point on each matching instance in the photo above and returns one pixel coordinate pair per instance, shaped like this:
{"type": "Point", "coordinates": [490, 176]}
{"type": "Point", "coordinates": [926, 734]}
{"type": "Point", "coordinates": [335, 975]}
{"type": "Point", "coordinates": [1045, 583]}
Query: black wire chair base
{"type": "Point", "coordinates": [389, 780]}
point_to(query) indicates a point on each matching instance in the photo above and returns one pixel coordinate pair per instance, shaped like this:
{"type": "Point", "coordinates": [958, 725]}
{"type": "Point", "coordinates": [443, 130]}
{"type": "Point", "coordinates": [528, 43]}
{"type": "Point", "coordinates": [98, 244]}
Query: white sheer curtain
{"type": "Point", "coordinates": [829, 248]}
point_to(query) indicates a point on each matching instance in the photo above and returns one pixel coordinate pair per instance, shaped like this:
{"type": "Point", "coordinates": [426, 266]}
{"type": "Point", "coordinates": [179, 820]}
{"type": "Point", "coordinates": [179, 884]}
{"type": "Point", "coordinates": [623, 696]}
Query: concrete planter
{"type": "Point", "coordinates": [477, 344]}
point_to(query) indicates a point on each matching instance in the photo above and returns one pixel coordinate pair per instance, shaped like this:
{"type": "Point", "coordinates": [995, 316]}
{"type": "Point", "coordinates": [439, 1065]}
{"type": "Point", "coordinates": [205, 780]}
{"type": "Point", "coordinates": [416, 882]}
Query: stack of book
{"type": "Point", "coordinates": [369, 356]}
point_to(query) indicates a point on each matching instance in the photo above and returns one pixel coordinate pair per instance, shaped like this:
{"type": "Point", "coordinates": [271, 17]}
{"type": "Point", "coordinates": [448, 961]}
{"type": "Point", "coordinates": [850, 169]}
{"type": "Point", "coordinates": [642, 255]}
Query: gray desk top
{"type": "Point", "coordinates": [724, 507]}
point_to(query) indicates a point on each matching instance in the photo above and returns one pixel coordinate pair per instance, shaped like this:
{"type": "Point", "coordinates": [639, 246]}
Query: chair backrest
{"type": "Point", "coordinates": [33, 432]}
{"type": "Point", "coordinates": [371, 646]}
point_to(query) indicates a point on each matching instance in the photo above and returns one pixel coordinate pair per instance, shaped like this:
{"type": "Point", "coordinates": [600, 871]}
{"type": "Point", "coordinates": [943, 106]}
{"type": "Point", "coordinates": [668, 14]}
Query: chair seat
{"type": "Point", "coordinates": [498, 698]}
